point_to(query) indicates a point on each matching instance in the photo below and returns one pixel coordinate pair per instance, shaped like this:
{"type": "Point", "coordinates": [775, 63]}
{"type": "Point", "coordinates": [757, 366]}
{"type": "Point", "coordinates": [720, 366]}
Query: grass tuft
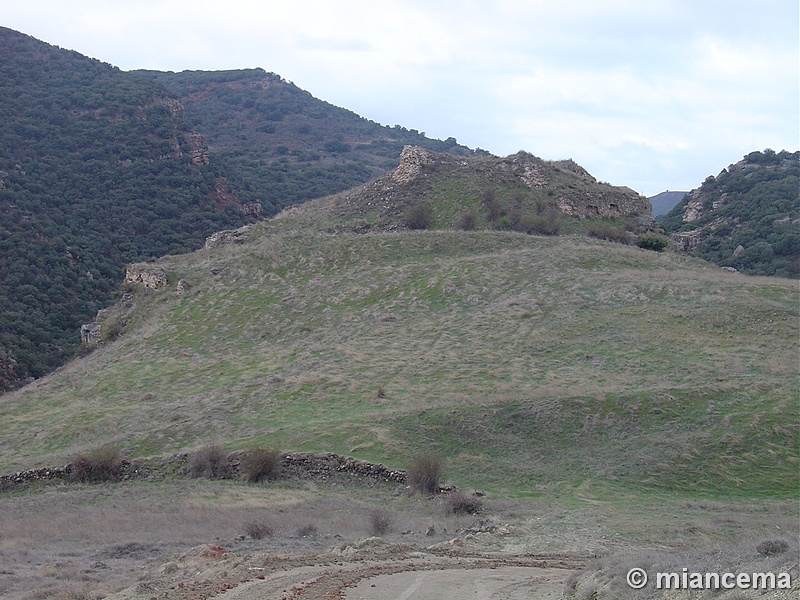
{"type": "Point", "coordinates": [425, 473]}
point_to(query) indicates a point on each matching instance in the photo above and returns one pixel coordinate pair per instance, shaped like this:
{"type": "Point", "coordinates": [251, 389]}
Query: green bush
{"type": "Point", "coordinates": [651, 241]}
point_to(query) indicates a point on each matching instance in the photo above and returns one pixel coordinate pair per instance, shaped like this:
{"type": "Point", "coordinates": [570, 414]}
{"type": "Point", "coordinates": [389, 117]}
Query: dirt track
{"type": "Point", "coordinates": [368, 570]}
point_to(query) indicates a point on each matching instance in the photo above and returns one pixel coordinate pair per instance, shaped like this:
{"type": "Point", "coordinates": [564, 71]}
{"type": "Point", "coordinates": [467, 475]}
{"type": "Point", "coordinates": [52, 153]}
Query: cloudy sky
{"type": "Point", "coordinates": [652, 94]}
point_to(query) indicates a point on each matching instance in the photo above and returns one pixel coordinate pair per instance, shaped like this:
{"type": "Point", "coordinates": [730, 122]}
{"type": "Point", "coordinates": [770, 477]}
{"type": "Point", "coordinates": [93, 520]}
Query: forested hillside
{"type": "Point", "coordinates": [282, 145]}
{"type": "Point", "coordinates": [97, 169]}
{"type": "Point", "coordinates": [747, 217]}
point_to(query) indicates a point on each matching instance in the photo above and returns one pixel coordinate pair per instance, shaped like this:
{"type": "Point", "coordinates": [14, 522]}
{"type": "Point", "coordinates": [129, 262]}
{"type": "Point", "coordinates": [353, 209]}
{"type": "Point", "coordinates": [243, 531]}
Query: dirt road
{"type": "Point", "coordinates": [369, 570]}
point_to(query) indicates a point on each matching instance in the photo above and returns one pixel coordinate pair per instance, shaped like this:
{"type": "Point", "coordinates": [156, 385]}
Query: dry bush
{"type": "Point", "coordinates": [258, 530]}
{"type": "Point", "coordinates": [380, 522]}
{"type": "Point", "coordinates": [425, 473]}
{"type": "Point", "coordinates": [419, 215]}
{"type": "Point", "coordinates": [604, 231]}
{"type": "Point", "coordinates": [307, 531]}
{"type": "Point", "coordinates": [772, 547]}
{"type": "Point", "coordinates": [210, 462]}
{"type": "Point", "coordinates": [101, 464]}
{"type": "Point", "coordinates": [492, 205]}
{"type": "Point", "coordinates": [468, 221]}
{"type": "Point", "coordinates": [261, 464]}
{"type": "Point", "coordinates": [458, 503]}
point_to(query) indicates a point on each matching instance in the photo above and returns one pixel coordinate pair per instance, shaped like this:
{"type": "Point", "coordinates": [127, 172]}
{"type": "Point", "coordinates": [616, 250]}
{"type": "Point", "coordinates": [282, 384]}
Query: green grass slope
{"type": "Point", "coordinates": [534, 364]}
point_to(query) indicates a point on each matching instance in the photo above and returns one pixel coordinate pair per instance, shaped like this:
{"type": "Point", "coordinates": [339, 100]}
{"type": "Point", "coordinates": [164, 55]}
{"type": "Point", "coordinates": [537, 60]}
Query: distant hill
{"type": "Point", "coordinates": [747, 217]}
{"type": "Point", "coordinates": [665, 202]}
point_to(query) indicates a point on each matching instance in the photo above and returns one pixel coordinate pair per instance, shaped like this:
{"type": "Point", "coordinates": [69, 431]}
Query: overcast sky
{"type": "Point", "coordinates": [652, 94]}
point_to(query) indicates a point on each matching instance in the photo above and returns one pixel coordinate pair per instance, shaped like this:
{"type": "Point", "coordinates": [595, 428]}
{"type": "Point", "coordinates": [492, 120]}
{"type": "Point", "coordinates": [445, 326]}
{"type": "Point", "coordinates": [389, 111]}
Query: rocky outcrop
{"type": "Point", "coordinates": [90, 335]}
{"type": "Point", "coordinates": [228, 236]}
{"type": "Point", "coordinates": [412, 161]}
{"type": "Point", "coordinates": [198, 152]}
{"type": "Point", "coordinates": [146, 275]}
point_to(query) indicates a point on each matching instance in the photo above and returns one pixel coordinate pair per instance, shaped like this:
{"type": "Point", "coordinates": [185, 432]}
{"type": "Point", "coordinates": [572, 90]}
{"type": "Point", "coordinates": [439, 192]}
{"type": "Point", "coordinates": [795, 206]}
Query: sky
{"type": "Point", "coordinates": [652, 94]}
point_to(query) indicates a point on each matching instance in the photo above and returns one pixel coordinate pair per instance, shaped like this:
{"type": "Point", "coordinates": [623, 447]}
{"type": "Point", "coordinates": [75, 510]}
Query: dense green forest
{"type": "Point", "coordinates": [95, 172]}
{"type": "Point", "coordinates": [747, 217]}
{"type": "Point", "coordinates": [281, 145]}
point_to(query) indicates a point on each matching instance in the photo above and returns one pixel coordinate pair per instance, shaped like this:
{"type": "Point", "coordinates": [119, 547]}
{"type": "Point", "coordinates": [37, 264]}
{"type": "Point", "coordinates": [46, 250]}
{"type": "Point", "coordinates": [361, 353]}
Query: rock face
{"type": "Point", "coordinates": [147, 275]}
{"type": "Point", "coordinates": [90, 335]}
{"type": "Point", "coordinates": [228, 236]}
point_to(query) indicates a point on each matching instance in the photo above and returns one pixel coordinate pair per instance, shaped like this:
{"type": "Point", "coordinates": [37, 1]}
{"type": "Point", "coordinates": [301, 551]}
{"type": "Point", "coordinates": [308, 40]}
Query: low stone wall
{"type": "Point", "coordinates": [303, 465]}
{"type": "Point", "coordinates": [296, 465]}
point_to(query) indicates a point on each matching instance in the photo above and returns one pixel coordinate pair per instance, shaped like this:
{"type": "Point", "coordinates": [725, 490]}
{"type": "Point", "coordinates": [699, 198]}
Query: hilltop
{"type": "Point", "coordinates": [747, 217]}
{"type": "Point", "coordinates": [431, 190]}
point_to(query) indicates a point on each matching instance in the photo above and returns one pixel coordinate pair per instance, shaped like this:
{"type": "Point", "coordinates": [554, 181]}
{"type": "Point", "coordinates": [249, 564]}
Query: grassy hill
{"type": "Point", "coordinates": [534, 364]}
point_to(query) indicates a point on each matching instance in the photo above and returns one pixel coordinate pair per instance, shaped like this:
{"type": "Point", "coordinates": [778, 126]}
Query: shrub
{"type": "Point", "coordinates": [425, 473]}
{"type": "Point", "coordinates": [102, 464]}
{"type": "Point", "coordinates": [772, 547]}
{"type": "Point", "coordinates": [546, 223]}
{"type": "Point", "coordinates": [419, 215]}
{"type": "Point", "coordinates": [604, 231]}
{"type": "Point", "coordinates": [210, 462]}
{"type": "Point", "coordinates": [309, 530]}
{"type": "Point", "coordinates": [261, 464]}
{"type": "Point", "coordinates": [492, 205]}
{"type": "Point", "coordinates": [458, 503]}
{"type": "Point", "coordinates": [380, 522]}
{"type": "Point", "coordinates": [258, 530]}
{"type": "Point", "coordinates": [651, 241]}
{"type": "Point", "coordinates": [468, 221]}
